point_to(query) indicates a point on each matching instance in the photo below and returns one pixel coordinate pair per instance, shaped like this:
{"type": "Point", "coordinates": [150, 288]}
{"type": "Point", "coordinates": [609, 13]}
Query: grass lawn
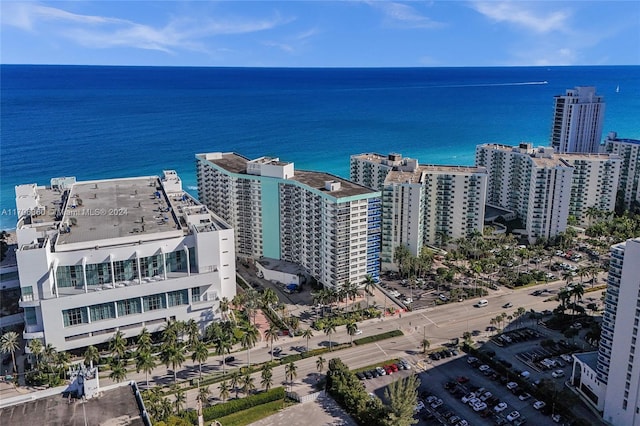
{"type": "Point", "coordinates": [253, 414]}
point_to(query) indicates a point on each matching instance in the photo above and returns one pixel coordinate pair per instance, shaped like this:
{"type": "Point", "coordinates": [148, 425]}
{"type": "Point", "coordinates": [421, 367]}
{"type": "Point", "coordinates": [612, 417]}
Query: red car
{"type": "Point", "coordinates": [462, 379]}
{"type": "Point", "coordinates": [388, 369]}
{"type": "Point", "coordinates": [394, 367]}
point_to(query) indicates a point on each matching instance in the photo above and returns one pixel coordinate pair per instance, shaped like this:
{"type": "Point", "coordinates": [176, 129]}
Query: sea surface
{"type": "Point", "coordinates": [105, 122]}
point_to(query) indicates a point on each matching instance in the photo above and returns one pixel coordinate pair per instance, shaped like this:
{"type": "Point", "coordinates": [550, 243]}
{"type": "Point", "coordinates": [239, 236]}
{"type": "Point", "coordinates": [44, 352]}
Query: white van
{"type": "Point", "coordinates": [482, 303]}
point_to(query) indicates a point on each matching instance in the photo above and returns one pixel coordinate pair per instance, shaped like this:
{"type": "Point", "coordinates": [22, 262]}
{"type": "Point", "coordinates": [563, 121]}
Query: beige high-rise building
{"type": "Point", "coordinates": [629, 183]}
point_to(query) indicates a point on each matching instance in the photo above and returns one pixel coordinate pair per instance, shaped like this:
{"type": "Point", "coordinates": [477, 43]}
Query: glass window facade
{"type": "Point", "coordinates": [98, 274]}
{"type": "Point", "coordinates": [30, 316]}
{"type": "Point", "coordinates": [102, 311]}
{"type": "Point", "coordinates": [195, 294]}
{"type": "Point", "coordinates": [154, 302]}
{"type": "Point", "coordinates": [70, 276]}
{"type": "Point", "coordinates": [151, 266]}
{"type": "Point", "coordinates": [125, 270]}
{"type": "Point", "coordinates": [180, 297]}
{"type": "Point", "coordinates": [75, 316]}
{"type": "Point", "coordinates": [129, 307]}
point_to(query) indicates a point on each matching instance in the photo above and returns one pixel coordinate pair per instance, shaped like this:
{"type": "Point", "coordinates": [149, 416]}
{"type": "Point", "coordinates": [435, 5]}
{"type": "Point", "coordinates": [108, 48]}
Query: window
{"type": "Point", "coordinates": [102, 311]}
{"type": "Point", "coordinates": [154, 302]}
{"type": "Point", "coordinates": [69, 276]}
{"type": "Point", "coordinates": [195, 294]}
{"type": "Point", "coordinates": [98, 273]}
{"type": "Point", "coordinates": [125, 270]}
{"type": "Point", "coordinates": [75, 316]}
{"type": "Point", "coordinates": [129, 307]}
{"type": "Point", "coordinates": [180, 297]}
{"type": "Point", "coordinates": [27, 293]}
{"type": "Point", "coordinates": [30, 316]}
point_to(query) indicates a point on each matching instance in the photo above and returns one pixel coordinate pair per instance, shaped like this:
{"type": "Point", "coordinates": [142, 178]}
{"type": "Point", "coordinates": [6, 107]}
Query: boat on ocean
{"type": "Point", "coordinates": [618, 88]}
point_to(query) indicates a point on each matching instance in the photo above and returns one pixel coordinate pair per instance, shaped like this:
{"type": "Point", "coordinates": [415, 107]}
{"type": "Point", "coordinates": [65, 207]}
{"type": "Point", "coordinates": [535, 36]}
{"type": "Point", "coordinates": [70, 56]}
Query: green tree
{"type": "Point", "coordinates": [271, 334]}
{"type": "Point", "coordinates": [269, 298]}
{"type": "Point", "coordinates": [402, 397]}
{"type": "Point", "coordinates": [118, 371]}
{"type": "Point", "coordinates": [145, 361]}
{"type": "Point", "coordinates": [235, 379]}
{"type": "Point", "coordinates": [249, 340]}
{"type": "Point", "coordinates": [320, 363]}
{"type": "Point", "coordinates": [267, 376]}
{"type": "Point", "coordinates": [222, 347]}
{"type": "Point", "coordinates": [179, 398]}
{"type": "Point", "coordinates": [9, 344]}
{"type": "Point", "coordinates": [247, 383]}
{"type": "Point", "coordinates": [369, 287]}
{"type": "Point", "coordinates": [172, 355]}
{"type": "Point", "coordinates": [91, 356]}
{"type": "Point", "coordinates": [118, 345]}
{"type": "Point", "coordinates": [223, 387]}
{"type": "Point", "coordinates": [329, 329]}
{"type": "Point", "coordinates": [144, 341]}
{"type": "Point", "coordinates": [352, 328]}
{"type": "Point", "coordinates": [193, 333]}
{"type": "Point", "coordinates": [425, 345]}
{"type": "Point", "coordinates": [36, 348]}
{"type": "Point", "coordinates": [203, 395]}
{"type": "Point", "coordinates": [290, 373]}
{"type": "Point", "coordinates": [200, 355]}
{"type": "Point", "coordinates": [307, 334]}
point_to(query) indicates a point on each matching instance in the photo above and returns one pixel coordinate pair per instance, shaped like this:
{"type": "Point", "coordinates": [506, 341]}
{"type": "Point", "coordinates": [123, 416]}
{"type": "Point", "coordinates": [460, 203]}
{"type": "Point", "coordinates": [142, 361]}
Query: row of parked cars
{"type": "Point", "coordinates": [515, 336]}
{"type": "Point", "coordinates": [384, 370]}
{"type": "Point", "coordinates": [444, 353]}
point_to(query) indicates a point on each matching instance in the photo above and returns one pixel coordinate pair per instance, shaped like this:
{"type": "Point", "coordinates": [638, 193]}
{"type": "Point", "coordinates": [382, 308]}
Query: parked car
{"type": "Point", "coordinates": [512, 385]}
{"type": "Point", "coordinates": [360, 376]}
{"type": "Point", "coordinates": [558, 373]}
{"type": "Point", "coordinates": [462, 379]}
{"type": "Point", "coordinates": [420, 406]}
{"type": "Point", "coordinates": [539, 404]}
{"type": "Point", "coordinates": [437, 403]}
{"type": "Point", "coordinates": [524, 396]}
{"type": "Point", "coordinates": [381, 371]}
{"type": "Point", "coordinates": [513, 415]}
{"type": "Point", "coordinates": [500, 407]}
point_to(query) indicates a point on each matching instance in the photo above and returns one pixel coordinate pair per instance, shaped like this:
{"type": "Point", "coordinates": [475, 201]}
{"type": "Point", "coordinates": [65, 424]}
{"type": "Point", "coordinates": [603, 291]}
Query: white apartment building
{"type": "Point", "coordinates": [422, 204]}
{"type": "Point", "coordinates": [99, 256]}
{"type": "Point", "coordinates": [610, 378]}
{"type": "Point", "coordinates": [328, 225]}
{"type": "Point", "coordinates": [545, 188]}
{"type": "Point", "coordinates": [629, 183]}
{"type": "Point", "coordinates": [372, 169]}
{"type": "Point", "coordinates": [578, 116]}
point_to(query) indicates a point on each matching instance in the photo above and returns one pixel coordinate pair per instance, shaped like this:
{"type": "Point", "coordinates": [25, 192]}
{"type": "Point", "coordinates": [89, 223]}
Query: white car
{"type": "Point", "coordinates": [566, 357]}
{"type": "Point", "coordinates": [539, 404]}
{"type": "Point", "coordinates": [468, 397]}
{"type": "Point", "coordinates": [512, 385]}
{"type": "Point", "coordinates": [420, 406]}
{"type": "Point", "coordinates": [358, 332]}
{"type": "Point", "coordinates": [484, 367]}
{"type": "Point", "coordinates": [557, 373]}
{"type": "Point", "coordinates": [479, 406]}
{"type": "Point", "coordinates": [513, 415]}
{"type": "Point", "coordinates": [500, 407]}
{"type": "Point", "coordinates": [381, 371]}
{"type": "Point", "coordinates": [486, 396]}
{"type": "Point", "coordinates": [435, 404]}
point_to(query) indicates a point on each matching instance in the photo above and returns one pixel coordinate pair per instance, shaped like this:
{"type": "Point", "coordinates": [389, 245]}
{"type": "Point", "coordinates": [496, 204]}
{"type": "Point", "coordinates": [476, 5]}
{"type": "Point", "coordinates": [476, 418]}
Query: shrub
{"type": "Point", "coordinates": [377, 337]}
{"type": "Point", "coordinates": [230, 407]}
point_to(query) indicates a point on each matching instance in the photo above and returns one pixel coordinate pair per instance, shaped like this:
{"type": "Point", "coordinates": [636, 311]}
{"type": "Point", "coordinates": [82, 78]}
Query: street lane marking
{"type": "Point", "coordinates": [428, 319]}
{"type": "Point", "coordinates": [383, 351]}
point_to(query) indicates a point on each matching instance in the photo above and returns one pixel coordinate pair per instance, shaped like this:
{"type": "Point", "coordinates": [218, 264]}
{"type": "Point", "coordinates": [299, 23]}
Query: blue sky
{"type": "Point", "coordinates": [321, 33]}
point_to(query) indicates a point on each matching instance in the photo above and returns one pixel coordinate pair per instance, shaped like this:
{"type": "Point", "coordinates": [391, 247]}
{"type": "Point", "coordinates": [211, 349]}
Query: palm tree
{"type": "Point", "coordinates": [179, 398]}
{"type": "Point", "coordinates": [249, 340]}
{"type": "Point", "coordinates": [222, 347]}
{"type": "Point", "coordinates": [146, 362]}
{"type": "Point", "coordinates": [91, 356]}
{"type": "Point", "coordinates": [223, 387]}
{"type": "Point", "coordinates": [144, 341]}
{"type": "Point", "coordinates": [352, 328]}
{"type": "Point", "coordinates": [172, 355]}
{"type": "Point", "coordinates": [49, 353]}
{"type": "Point", "coordinates": [269, 298]}
{"type": "Point", "coordinates": [577, 292]}
{"type": "Point", "coordinates": [271, 334]}
{"type": "Point", "coordinates": [369, 287]}
{"type": "Point", "coordinates": [235, 381]}
{"type": "Point", "coordinates": [320, 363]}
{"type": "Point", "coordinates": [118, 372]}
{"type": "Point", "coordinates": [203, 395]}
{"type": "Point", "coordinates": [10, 343]}
{"type": "Point", "coordinates": [200, 355]}
{"type": "Point", "coordinates": [62, 361]}
{"type": "Point", "coordinates": [425, 345]}
{"type": "Point", "coordinates": [290, 373]}
{"type": "Point", "coordinates": [35, 347]}
{"type": "Point", "coordinates": [247, 383]}
{"type": "Point", "coordinates": [193, 333]}
{"type": "Point", "coordinates": [224, 307]}
{"type": "Point", "coordinates": [329, 329]}
{"type": "Point", "coordinates": [118, 345]}
{"type": "Point", "coordinates": [307, 334]}
{"type": "Point", "coordinates": [267, 376]}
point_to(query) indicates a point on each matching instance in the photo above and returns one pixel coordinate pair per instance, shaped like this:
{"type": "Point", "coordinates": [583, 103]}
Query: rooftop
{"type": "Point", "coordinates": [115, 407]}
{"type": "Point", "coordinates": [108, 209]}
{"type": "Point", "coordinates": [588, 358]}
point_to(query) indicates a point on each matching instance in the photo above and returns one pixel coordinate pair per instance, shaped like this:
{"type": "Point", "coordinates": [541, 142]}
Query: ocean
{"type": "Point", "coordinates": [96, 122]}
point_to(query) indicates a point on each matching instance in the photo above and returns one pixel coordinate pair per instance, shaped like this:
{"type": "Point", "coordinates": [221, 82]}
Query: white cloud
{"type": "Point", "coordinates": [105, 32]}
{"type": "Point", "coordinates": [517, 13]}
{"type": "Point", "coordinates": [403, 15]}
